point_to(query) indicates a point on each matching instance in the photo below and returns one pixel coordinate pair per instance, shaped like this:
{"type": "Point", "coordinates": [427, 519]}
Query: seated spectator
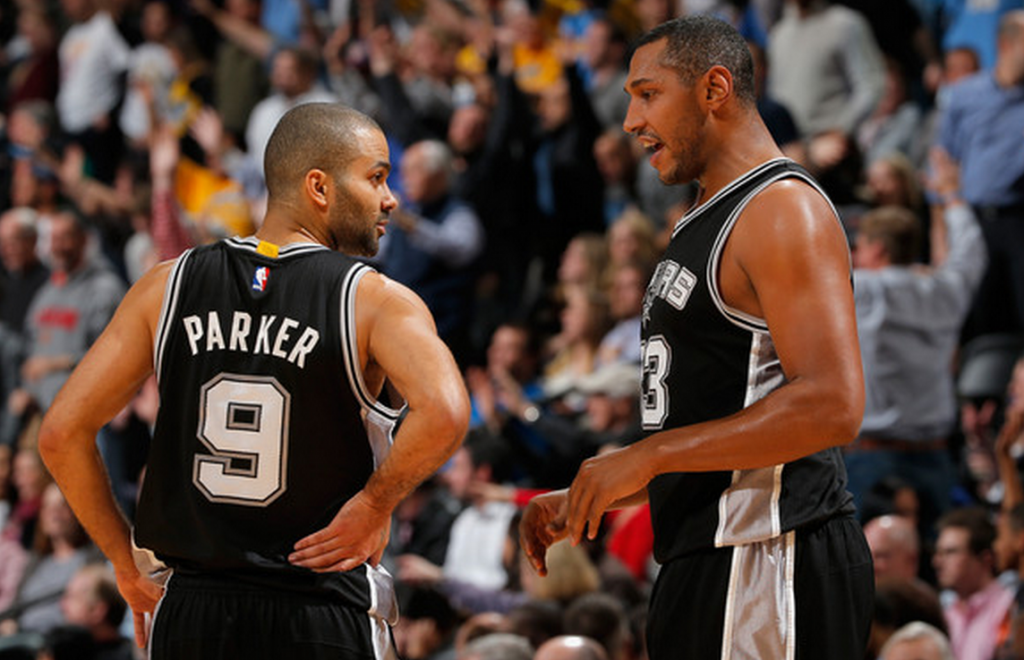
{"type": "Point", "coordinates": [893, 124]}
{"type": "Point", "coordinates": [613, 152]}
{"type": "Point", "coordinates": [34, 74]}
{"type": "Point", "coordinates": [573, 352]}
{"type": "Point", "coordinates": [602, 618]}
{"type": "Point", "coordinates": [30, 479]}
{"type": "Point", "coordinates": [23, 272]}
{"type": "Point", "coordinates": [513, 354]}
{"type": "Point", "coordinates": [93, 602]}
{"type": "Point", "coordinates": [895, 547]}
{"type": "Point", "coordinates": [625, 301]}
{"type": "Point", "coordinates": [68, 314]}
{"type": "Point", "coordinates": [571, 647]}
{"type": "Point", "coordinates": [61, 549]}
{"type": "Point", "coordinates": [536, 620]}
{"type": "Point", "coordinates": [499, 646]}
{"type": "Point", "coordinates": [426, 630]}
{"type": "Point", "coordinates": [631, 239]}
{"type": "Point", "coordinates": [899, 602]}
{"type": "Point", "coordinates": [964, 564]}
{"type": "Point", "coordinates": [917, 641]}
{"type": "Point", "coordinates": [434, 242]}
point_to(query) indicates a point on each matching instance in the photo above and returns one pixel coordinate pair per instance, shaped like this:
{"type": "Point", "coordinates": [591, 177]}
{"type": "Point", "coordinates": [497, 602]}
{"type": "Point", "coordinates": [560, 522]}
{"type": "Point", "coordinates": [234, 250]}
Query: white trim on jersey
{"type": "Point", "coordinates": [168, 306]}
{"type": "Point", "coordinates": [692, 214]}
{"type": "Point", "coordinates": [735, 316]}
{"type": "Point", "coordinates": [150, 619]}
{"type": "Point", "coordinates": [351, 348]}
{"type": "Point", "coordinates": [741, 506]}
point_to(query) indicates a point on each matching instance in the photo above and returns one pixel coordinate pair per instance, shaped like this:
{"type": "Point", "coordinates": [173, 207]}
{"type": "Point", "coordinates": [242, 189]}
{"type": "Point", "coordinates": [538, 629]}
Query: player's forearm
{"type": "Point", "coordinates": [797, 420]}
{"type": "Point", "coordinates": [426, 439]}
{"type": "Point", "coordinates": [76, 465]}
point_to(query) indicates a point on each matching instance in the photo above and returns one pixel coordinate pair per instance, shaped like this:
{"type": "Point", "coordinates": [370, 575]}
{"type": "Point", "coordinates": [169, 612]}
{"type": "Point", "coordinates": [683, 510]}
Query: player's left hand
{"type": "Point", "coordinates": [601, 481]}
{"type": "Point", "coordinates": [358, 534]}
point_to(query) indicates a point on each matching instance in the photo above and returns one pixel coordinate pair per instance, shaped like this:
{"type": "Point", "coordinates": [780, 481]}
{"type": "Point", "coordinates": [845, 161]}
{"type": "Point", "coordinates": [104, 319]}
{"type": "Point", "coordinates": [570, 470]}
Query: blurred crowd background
{"type": "Point", "coordinates": [530, 223]}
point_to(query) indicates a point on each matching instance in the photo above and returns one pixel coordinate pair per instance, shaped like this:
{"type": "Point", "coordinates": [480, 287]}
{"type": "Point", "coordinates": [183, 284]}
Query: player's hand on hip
{"type": "Point", "coordinates": [142, 595]}
{"type": "Point", "coordinates": [358, 534]}
{"type": "Point", "coordinates": [601, 481]}
{"type": "Point", "coordinates": [543, 523]}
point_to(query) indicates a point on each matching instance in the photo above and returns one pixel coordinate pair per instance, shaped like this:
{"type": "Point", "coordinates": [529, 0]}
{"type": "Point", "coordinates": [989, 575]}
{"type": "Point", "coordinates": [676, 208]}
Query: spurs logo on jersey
{"type": "Point", "coordinates": [672, 283]}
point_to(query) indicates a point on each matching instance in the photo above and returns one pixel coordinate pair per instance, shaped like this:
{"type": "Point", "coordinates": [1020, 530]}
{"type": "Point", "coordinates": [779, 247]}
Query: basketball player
{"type": "Point", "coordinates": [752, 379]}
{"type": "Point", "coordinates": [272, 474]}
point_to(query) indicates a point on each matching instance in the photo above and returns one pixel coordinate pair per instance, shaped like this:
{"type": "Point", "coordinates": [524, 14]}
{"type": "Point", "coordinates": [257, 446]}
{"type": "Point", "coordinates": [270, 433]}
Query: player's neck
{"type": "Point", "coordinates": [282, 229]}
{"type": "Point", "coordinates": [741, 152]}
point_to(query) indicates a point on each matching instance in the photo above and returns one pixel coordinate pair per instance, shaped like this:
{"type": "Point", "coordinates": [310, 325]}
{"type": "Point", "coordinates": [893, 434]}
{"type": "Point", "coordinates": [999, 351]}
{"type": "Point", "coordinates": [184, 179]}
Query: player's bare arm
{"type": "Point", "coordinates": [105, 381]}
{"type": "Point", "coordinates": [398, 340]}
{"type": "Point", "coordinates": [786, 261]}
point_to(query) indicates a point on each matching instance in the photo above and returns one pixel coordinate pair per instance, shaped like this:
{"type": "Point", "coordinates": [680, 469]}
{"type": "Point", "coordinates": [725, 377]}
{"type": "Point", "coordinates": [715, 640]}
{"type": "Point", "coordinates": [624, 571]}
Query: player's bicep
{"type": "Point", "coordinates": [796, 257]}
{"type": "Point", "coordinates": [403, 341]}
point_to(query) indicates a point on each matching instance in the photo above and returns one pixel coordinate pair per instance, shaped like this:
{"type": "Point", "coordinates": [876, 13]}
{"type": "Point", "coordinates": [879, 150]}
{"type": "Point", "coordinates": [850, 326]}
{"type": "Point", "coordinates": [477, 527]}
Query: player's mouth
{"type": "Point", "coordinates": [651, 145]}
{"type": "Point", "coordinates": [382, 224]}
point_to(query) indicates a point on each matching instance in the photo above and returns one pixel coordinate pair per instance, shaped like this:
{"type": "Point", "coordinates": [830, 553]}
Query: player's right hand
{"type": "Point", "coordinates": [357, 534]}
{"type": "Point", "coordinates": [543, 524]}
{"type": "Point", "coordinates": [142, 595]}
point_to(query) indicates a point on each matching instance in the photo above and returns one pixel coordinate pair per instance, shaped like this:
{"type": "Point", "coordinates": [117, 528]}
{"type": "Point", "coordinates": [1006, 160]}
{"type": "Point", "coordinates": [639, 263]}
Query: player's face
{"type": "Point", "coordinates": [664, 116]}
{"type": "Point", "coordinates": [363, 201]}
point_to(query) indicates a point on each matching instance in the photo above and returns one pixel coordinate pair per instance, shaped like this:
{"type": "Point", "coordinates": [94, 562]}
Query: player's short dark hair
{"type": "Point", "coordinates": [697, 43]}
{"type": "Point", "coordinates": [312, 136]}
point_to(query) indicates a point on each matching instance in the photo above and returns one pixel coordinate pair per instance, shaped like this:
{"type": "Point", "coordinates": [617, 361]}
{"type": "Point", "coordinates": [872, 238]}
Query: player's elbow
{"type": "Point", "coordinates": [54, 441]}
{"type": "Point", "coordinates": [449, 414]}
{"type": "Point", "coordinates": [842, 413]}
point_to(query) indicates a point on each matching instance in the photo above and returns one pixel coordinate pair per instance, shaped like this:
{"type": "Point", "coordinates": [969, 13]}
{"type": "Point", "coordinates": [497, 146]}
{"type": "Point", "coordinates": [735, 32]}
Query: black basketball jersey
{"type": "Point", "coordinates": [265, 426]}
{"type": "Point", "coordinates": [703, 360]}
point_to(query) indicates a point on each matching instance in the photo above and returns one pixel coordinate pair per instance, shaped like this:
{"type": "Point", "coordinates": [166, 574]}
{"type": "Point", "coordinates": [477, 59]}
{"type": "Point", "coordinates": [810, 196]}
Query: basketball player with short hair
{"type": "Point", "coordinates": [274, 468]}
{"type": "Point", "coordinates": [752, 380]}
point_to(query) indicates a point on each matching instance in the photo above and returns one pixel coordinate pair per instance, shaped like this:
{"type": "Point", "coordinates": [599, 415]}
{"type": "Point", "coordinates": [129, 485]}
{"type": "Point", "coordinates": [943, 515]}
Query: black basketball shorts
{"type": "Point", "coordinates": [203, 619]}
{"type": "Point", "coordinates": [806, 595]}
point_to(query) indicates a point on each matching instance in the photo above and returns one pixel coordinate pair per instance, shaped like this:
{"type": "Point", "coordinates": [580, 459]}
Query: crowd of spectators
{"type": "Point", "coordinates": [530, 224]}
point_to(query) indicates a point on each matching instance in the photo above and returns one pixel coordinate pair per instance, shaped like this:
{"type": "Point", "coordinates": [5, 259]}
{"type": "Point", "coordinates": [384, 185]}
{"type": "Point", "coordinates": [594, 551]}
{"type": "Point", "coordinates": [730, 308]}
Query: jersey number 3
{"type": "Point", "coordinates": [657, 356]}
{"type": "Point", "coordinates": [244, 425]}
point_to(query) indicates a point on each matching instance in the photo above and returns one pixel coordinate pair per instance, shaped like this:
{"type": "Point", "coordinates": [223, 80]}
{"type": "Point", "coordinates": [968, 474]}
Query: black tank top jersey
{"type": "Point", "coordinates": [702, 361]}
{"type": "Point", "coordinates": [265, 427]}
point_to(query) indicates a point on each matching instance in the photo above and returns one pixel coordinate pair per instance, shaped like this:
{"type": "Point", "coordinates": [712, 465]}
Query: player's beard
{"type": "Point", "coordinates": [687, 164]}
{"type": "Point", "coordinates": [354, 229]}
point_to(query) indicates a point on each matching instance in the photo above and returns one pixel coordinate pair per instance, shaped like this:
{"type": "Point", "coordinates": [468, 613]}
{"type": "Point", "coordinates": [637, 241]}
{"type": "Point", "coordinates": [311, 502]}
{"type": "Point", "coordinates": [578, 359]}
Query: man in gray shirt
{"type": "Point", "coordinates": [909, 319]}
{"type": "Point", "coordinates": [67, 314]}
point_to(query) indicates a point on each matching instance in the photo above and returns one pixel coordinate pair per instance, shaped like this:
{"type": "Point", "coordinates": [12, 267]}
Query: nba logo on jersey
{"type": "Point", "coordinates": [259, 278]}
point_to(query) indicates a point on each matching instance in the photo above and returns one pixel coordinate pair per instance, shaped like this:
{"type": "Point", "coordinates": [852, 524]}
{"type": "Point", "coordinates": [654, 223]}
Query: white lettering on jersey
{"type": "Point", "coordinates": [278, 341]}
{"type": "Point", "coordinates": [240, 325]}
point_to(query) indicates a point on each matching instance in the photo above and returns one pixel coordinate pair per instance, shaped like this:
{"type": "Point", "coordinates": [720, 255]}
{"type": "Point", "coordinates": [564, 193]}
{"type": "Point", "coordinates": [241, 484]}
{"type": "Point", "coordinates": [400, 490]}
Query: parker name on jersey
{"type": "Point", "coordinates": [272, 337]}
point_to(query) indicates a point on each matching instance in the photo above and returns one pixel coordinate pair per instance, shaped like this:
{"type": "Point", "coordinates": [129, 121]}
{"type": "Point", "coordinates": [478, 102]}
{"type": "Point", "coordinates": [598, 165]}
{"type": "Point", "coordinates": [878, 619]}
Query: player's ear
{"type": "Point", "coordinates": [315, 185]}
{"type": "Point", "coordinates": [717, 87]}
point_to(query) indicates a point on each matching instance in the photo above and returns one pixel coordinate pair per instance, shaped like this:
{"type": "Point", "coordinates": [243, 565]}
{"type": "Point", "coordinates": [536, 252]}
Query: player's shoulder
{"type": "Point", "coordinates": [790, 215]}
{"type": "Point", "coordinates": [791, 201]}
{"type": "Point", "coordinates": [385, 293]}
